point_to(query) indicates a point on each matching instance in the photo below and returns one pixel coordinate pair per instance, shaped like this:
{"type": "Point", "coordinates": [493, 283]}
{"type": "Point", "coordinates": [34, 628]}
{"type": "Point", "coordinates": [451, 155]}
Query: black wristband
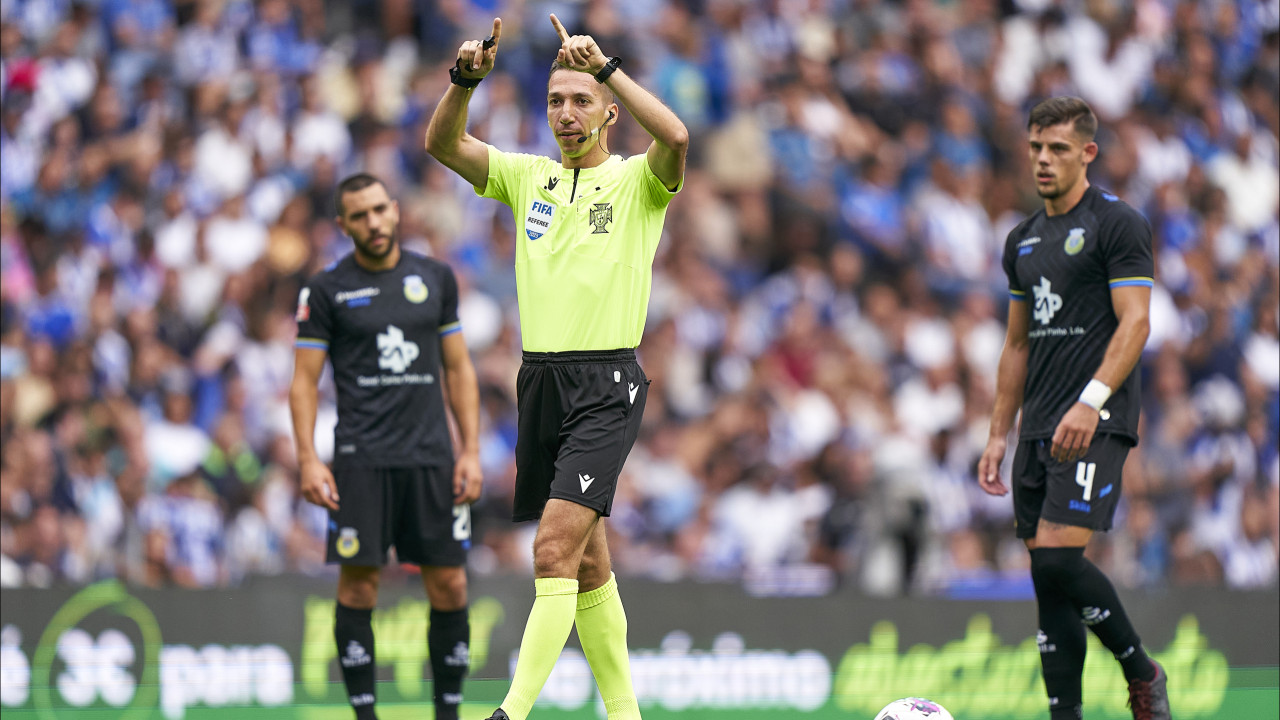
{"type": "Point", "coordinates": [608, 69]}
{"type": "Point", "coordinates": [455, 77]}
{"type": "Point", "coordinates": [455, 72]}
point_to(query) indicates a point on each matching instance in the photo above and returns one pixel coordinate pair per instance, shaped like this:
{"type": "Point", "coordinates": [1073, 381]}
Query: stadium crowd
{"type": "Point", "coordinates": [827, 309]}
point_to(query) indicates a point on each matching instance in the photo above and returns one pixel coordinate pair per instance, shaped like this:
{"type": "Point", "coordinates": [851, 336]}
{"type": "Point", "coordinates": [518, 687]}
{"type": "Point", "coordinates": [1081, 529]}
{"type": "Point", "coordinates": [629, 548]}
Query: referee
{"type": "Point", "coordinates": [1080, 276]}
{"type": "Point", "coordinates": [587, 230]}
{"type": "Point", "coordinates": [387, 319]}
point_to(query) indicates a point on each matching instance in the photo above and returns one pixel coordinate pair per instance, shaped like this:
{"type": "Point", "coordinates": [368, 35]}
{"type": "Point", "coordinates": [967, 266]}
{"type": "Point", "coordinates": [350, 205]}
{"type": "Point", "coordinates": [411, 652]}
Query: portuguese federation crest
{"type": "Point", "coordinates": [1075, 241]}
{"type": "Point", "coordinates": [601, 216]}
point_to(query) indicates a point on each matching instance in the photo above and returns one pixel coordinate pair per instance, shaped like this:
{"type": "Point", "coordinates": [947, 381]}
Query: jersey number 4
{"type": "Point", "coordinates": [1084, 477]}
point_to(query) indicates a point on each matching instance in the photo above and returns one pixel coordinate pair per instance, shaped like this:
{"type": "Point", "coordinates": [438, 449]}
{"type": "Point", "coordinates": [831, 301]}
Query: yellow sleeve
{"type": "Point", "coordinates": [655, 192]}
{"type": "Point", "coordinates": [505, 171]}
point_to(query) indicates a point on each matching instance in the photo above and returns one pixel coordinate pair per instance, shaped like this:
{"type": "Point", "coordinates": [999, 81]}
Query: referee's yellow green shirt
{"type": "Point", "coordinates": [585, 241]}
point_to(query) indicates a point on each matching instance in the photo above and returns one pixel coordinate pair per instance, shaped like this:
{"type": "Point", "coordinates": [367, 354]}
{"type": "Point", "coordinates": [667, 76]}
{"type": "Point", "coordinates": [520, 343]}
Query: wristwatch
{"type": "Point", "coordinates": [608, 69]}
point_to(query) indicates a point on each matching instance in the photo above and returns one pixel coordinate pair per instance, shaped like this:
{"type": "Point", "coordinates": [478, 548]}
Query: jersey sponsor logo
{"type": "Point", "coordinates": [394, 352]}
{"type": "Point", "coordinates": [304, 305]}
{"type": "Point", "coordinates": [347, 543]}
{"type": "Point", "coordinates": [1075, 241]}
{"type": "Point", "coordinates": [415, 289]}
{"type": "Point", "coordinates": [585, 481]}
{"type": "Point", "coordinates": [537, 222]}
{"type": "Point", "coordinates": [632, 389]}
{"type": "Point", "coordinates": [1029, 242]}
{"type": "Point", "coordinates": [356, 298]}
{"type": "Point", "coordinates": [552, 182]}
{"type": "Point", "coordinates": [601, 215]}
{"type": "Point", "coordinates": [1048, 303]}
{"type": "Point", "coordinates": [356, 655]}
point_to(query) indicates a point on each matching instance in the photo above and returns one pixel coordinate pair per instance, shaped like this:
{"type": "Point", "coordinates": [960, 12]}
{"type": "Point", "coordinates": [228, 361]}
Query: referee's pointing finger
{"type": "Point", "coordinates": [564, 34]}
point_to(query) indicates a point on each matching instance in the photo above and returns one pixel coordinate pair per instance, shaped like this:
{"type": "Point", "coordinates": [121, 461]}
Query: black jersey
{"type": "Point", "coordinates": [1066, 266]}
{"type": "Point", "coordinates": [382, 331]}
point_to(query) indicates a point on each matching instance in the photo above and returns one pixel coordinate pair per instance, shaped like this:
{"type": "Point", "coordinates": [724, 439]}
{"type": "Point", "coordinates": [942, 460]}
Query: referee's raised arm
{"type": "Point", "coordinates": [670, 146]}
{"type": "Point", "coordinates": [447, 139]}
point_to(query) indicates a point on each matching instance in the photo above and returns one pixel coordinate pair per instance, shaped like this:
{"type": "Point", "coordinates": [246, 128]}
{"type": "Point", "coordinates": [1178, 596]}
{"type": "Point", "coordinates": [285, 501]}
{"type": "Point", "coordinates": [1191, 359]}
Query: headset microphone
{"type": "Point", "coordinates": [591, 134]}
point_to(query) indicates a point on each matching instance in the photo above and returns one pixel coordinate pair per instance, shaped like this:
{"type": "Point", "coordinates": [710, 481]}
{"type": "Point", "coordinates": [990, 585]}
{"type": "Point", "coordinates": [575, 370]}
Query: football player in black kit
{"type": "Point", "coordinates": [1080, 276]}
{"type": "Point", "coordinates": [388, 321]}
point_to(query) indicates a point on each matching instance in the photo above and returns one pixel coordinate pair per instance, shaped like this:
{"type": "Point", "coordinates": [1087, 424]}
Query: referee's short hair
{"type": "Point", "coordinates": [606, 93]}
{"type": "Point", "coordinates": [1064, 109]}
{"type": "Point", "coordinates": [353, 183]}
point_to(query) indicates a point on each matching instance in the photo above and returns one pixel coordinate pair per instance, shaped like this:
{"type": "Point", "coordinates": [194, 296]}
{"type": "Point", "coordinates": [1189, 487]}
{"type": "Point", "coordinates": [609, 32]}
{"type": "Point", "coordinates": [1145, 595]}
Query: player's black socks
{"type": "Point", "coordinates": [449, 642]}
{"type": "Point", "coordinates": [1095, 598]}
{"type": "Point", "coordinates": [1062, 642]}
{"type": "Point", "coordinates": [353, 631]}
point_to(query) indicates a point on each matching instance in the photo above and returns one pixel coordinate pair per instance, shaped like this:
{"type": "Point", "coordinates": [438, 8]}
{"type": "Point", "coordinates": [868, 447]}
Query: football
{"type": "Point", "coordinates": [914, 709]}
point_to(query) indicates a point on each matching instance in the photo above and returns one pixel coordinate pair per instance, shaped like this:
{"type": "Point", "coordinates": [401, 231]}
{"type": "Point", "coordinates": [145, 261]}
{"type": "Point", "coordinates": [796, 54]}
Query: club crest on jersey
{"type": "Point", "coordinates": [601, 216]}
{"type": "Point", "coordinates": [1075, 241]}
{"type": "Point", "coordinates": [538, 220]}
{"type": "Point", "coordinates": [415, 289]}
{"type": "Point", "coordinates": [304, 305]}
{"type": "Point", "coordinates": [347, 544]}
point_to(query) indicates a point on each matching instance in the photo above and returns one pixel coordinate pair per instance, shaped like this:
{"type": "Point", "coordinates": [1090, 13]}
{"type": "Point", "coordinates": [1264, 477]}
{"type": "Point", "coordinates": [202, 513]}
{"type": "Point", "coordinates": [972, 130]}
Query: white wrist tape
{"type": "Point", "coordinates": [1095, 394]}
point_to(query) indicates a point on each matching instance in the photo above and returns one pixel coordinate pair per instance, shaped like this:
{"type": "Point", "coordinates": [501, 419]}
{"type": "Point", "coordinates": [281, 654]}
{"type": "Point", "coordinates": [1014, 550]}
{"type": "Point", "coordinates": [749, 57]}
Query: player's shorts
{"type": "Point", "coordinates": [1081, 493]}
{"type": "Point", "coordinates": [411, 508]}
{"type": "Point", "coordinates": [579, 417]}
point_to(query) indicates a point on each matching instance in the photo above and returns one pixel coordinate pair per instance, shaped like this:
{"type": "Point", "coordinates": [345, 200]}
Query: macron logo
{"type": "Point", "coordinates": [632, 389]}
{"type": "Point", "coordinates": [585, 481]}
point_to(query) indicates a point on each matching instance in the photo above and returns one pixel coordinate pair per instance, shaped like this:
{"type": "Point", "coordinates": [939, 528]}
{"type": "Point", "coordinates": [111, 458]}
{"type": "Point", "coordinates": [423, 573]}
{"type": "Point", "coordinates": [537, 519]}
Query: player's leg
{"type": "Point", "coordinates": [602, 629]}
{"type": "Point", "coordinates": [1082, 498]}
{"type": "Point", "coordinates": [353, 633]}
{"type": "Point", "coordinates": [1061, 637]}
{"type": "Point", "coordinates": [557, 552]}
{"type": "Point", "coordinates": [433, 533]}
{"type": "Point", "coordinates": [448, 636]}
{"type": "Point", "coordinates": [356, 542]}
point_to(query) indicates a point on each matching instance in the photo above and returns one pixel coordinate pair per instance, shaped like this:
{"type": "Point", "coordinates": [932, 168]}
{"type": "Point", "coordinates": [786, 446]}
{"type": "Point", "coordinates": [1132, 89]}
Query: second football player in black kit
{"type": "Point", "coordinates": [1080, 276]}
{"type": "Point", "coordinates": [388, 321]}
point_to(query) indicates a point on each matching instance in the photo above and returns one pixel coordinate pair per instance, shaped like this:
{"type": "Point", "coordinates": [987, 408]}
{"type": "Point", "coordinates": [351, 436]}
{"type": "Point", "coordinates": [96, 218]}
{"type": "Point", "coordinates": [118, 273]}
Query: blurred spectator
{"type": "Point", "coordinates": [827, 305]}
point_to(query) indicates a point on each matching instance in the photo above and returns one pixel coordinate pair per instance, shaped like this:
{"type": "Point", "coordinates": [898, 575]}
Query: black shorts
{"type": "Point", "coordinates": [411, 508]}
{"type": "Point", "coordinates": [579, 416]}
{"type": "Point", "coordinates": [1082, 493]}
